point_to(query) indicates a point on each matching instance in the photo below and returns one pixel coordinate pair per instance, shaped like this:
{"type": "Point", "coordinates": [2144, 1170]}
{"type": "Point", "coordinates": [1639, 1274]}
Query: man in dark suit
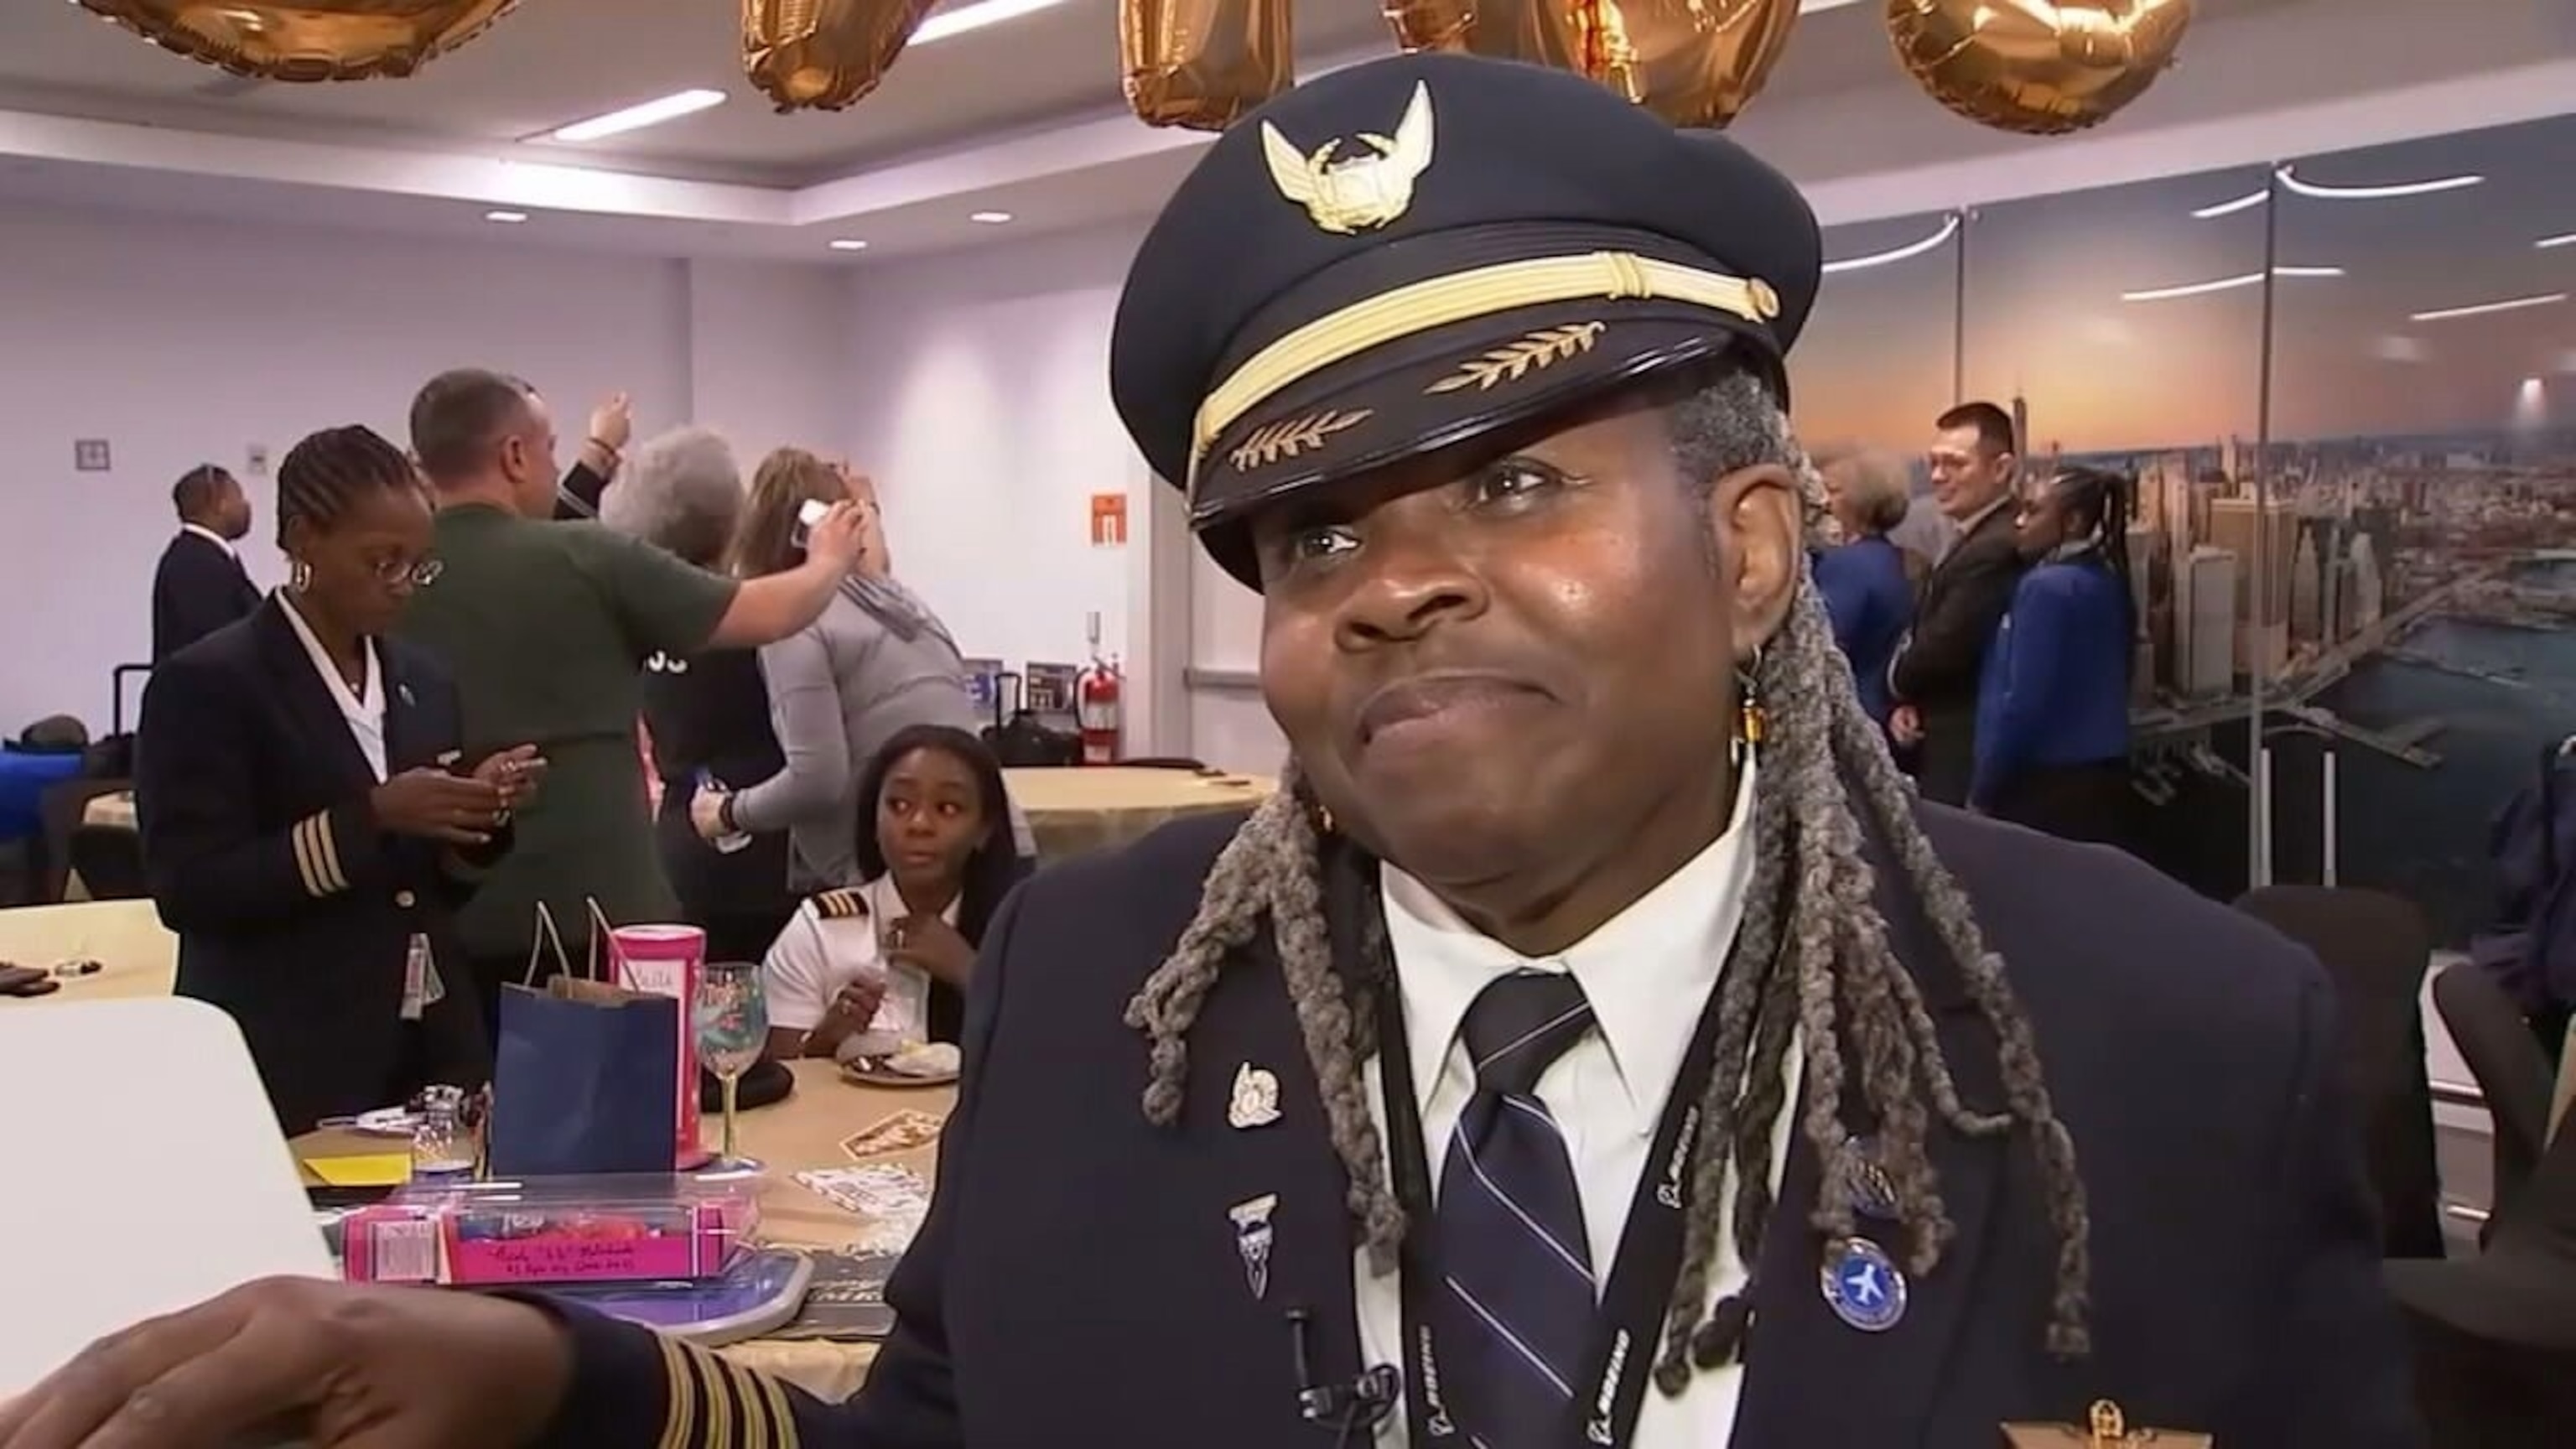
{"type": "Point", "coordinates": [1975, 467]}
{"type": "Point", "coordinates": [1593, 1007]}
{"type": "Point", "coordinates": [200, 585]}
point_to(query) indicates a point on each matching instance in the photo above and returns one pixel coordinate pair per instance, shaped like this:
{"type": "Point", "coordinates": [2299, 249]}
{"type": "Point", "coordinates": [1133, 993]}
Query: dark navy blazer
{"type": "Point", "coordinates": [294, 912]}
{"type": "Point", "coordinates": [2056, 687]}
{"type": "Point", "coordinates": [1078, 1281]}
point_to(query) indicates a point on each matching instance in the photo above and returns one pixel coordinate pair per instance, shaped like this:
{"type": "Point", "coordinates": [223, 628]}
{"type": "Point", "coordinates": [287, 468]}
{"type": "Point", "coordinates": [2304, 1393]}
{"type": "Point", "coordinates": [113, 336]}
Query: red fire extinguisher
{"type": "Point", "coordinates": [1096, 694]}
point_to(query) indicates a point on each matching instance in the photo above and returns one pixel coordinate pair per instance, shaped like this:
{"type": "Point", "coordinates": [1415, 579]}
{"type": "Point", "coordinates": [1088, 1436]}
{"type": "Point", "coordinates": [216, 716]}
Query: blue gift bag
{"type": "Point", "coordinates": [583, 1080]}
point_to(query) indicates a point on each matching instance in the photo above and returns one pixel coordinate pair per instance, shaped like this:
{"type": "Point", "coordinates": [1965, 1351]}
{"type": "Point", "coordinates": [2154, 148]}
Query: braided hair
{"type": "Point", "coordinates": [1838, 991]}
{"type": "Point", "coordinates": [2101, 503]}
{"type": "Point", "coordinates": [320, 477]}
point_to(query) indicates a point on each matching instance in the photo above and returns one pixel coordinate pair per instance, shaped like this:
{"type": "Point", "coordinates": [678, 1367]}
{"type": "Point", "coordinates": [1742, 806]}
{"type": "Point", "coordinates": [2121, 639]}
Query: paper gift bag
{"type": "Point", "coordinates": [668, 961]}
{"type": "Point", "coordinates": [584, 1079]}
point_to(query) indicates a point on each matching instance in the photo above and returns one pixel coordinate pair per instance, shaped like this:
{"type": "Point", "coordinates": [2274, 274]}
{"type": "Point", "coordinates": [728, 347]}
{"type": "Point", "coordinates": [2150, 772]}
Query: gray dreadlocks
{"type": "Point", "coordinates": [1822, 973]}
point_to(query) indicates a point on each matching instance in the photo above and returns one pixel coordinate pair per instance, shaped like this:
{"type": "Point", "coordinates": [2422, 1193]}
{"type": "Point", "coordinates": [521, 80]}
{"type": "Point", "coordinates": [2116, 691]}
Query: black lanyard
{"type": "Point", "coordinates": [1628, 1331]}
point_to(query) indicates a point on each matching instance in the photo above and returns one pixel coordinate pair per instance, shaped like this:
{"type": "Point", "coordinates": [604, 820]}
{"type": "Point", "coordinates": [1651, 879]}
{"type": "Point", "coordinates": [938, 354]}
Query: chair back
{"type": "Point", "coordinates": [2375, 947]}
{"type": "Point", "coordinates": [2503, 1055]}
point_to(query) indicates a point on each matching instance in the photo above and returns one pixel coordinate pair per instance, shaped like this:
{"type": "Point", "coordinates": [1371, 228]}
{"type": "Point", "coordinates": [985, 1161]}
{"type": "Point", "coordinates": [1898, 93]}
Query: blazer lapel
{"type": "Point", "coordinates": [402, 714]}
{"type": "Point", "coordinates": [299, 685]}
{"type": "Point", "coordinates": [1810, 1377]}
{"type": "Point", "coordinates": [1272, 1234]}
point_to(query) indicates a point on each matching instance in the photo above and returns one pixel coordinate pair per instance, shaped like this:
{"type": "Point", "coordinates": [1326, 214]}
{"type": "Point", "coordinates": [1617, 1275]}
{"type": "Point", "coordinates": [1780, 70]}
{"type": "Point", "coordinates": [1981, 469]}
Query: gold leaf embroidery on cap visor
{"type": "Point", "coordinates": [1534, 352]}
{"type": "Point", "coordinates": [1290, 437]}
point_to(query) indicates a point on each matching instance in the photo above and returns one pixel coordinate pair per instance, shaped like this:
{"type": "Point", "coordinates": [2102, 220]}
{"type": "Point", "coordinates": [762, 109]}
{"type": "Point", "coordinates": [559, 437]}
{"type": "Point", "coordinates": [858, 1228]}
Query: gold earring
{"type": "Point", "coordinates": [299, 575]}
{"type": "Point", "coordinates": [1752, 722]}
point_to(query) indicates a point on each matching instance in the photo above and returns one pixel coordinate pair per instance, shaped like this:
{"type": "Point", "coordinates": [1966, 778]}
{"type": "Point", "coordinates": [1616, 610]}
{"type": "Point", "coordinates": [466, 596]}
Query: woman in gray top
{"type": "Point", "coordinates": [877, 662]}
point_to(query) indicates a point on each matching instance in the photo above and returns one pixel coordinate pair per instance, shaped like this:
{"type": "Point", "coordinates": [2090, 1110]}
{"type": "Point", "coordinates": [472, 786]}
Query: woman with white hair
{"type": "Point", "coordinates": [1865, 580]}
{"type": "Point", "coordinates": [707, 717]}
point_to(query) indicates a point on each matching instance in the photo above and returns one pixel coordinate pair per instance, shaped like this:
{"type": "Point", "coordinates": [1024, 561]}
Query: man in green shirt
{"type": "Point", "coordinates": [546, 626]}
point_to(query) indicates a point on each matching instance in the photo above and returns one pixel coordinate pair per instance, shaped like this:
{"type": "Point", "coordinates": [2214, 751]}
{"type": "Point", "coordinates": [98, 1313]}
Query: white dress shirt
{"type": "Point", "coordinates": [1647, 972]}
{"type": "Point", "coordinates": [813, 958]}
{"type": "Point", "coordinates": [364, 710]}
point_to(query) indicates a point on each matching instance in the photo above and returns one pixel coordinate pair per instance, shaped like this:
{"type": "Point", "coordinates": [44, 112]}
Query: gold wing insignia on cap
{"type": "Point", "coordinates": [1289, 437]}
{"type": "Point", "coordinates": [1535, 352]}
{"type": "Point", "coordinates": [1360, 193]}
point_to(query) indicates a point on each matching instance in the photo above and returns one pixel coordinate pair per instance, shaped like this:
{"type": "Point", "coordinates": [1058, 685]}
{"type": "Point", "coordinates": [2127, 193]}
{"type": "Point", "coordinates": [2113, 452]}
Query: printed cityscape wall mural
{"type": "Point", "coordinates": [2380, 546]}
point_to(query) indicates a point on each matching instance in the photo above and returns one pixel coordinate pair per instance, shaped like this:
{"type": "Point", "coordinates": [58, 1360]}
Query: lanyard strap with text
{"type": "Point", "coordinates": [1629, 1327]}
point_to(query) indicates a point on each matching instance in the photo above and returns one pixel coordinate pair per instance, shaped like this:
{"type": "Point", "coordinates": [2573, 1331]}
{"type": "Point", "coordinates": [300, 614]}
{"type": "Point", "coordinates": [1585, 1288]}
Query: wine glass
{"type": "Point", "coordinates": [732, 1019]}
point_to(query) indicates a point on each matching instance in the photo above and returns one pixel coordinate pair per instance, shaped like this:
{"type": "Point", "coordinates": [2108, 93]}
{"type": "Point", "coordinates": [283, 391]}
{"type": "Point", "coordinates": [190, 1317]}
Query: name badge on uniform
{"type": "Point", "coordinates": [422, 989]}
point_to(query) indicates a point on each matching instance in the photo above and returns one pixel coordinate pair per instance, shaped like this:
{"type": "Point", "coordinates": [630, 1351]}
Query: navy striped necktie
{"type": "Point", "coordinates": [1518, 1298]}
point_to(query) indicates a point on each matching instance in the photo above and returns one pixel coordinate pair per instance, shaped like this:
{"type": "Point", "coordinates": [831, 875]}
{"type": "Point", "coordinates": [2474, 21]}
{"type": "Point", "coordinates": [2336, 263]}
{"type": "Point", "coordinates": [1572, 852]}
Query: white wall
{"type": "Point", "coordinates": [182, 344]}
{"type": "Point", "coordinates": [978, 397]}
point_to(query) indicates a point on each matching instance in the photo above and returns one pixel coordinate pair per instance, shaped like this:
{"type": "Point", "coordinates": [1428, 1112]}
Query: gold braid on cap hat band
{"type": "Point", "coordinates": [1418, 307]}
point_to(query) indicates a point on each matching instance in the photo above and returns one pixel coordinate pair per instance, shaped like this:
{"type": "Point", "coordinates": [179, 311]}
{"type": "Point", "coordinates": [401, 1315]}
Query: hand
{"type": "Point", "coordinates": [932, 946]}
{"type": "Point", "coordinates": [613, 421]}
{"type": "Point", "coordinates": [514, 772]}
{"type": "Point", "coordinates": [1905, 726]}
{"type": "Point", "coordinates": [707, 814]}
{"type": "Point", "coordinates": [840, 540]}
{"type": "Point", "coordinates": [436, 805]}
{"type": "Point", "coordinates": [331, 1363]}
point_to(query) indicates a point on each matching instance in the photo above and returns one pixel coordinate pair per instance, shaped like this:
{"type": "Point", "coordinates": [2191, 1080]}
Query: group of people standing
{"type": "Point", "coordinates": [358, 798]}
{"type": "Point", "coordinates": [2000, 669]}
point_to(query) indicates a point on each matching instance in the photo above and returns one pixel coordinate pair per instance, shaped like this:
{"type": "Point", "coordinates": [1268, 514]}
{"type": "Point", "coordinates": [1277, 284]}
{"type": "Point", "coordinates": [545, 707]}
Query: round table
{"type": "Point", "coordinates": [798, 1134]}
{"type": "Point", "coordinates": [137, 955]}
{"type": "Point", "coordinates": [1080, 808]}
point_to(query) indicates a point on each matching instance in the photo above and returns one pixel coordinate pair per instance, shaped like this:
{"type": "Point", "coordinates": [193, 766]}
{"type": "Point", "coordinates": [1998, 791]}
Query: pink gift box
{"type": "Point", "coordinates": [471, 1238]}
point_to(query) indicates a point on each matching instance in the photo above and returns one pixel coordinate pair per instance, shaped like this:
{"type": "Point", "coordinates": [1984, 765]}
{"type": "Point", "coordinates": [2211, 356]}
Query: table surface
{"type": "Point", "coordinates": [137, 956]}
{"type": "Point", "coordinates": [799, 1134]}
{"type": "Point", "coordinates": [1036, 791]}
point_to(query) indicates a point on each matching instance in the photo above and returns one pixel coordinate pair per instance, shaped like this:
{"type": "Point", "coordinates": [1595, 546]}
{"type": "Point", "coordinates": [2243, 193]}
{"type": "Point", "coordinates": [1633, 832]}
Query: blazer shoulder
{"type": "Point", "coordinates": [1107, 918]}
{"type": "Point", "coordinates": [230, 652]}
{"type": "Point", "coordinates": [2101, 944]}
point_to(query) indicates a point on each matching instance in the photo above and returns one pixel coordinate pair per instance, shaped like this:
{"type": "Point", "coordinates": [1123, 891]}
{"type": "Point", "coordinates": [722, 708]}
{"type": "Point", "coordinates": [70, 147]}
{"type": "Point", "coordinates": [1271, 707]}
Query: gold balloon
{"type": "Point", "coordinates": [1202, 63]}
{"type": "Point", "coordinates": [309, 40]}
{"type": "Point", "coordinates": [2033, 66]}
{"type": "Point", "coordinates": [1693, 62]}
{"type": "Point", "coordinates": [824, 54]}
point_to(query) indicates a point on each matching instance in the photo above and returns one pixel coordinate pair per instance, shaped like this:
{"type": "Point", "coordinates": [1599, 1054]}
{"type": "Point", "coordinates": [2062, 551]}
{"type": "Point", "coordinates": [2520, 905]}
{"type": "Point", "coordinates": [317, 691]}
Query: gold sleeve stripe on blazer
{"type": "Point", "coordinates": [679, 1398]}
{"type": "Point", "coordinates": [317, 855]}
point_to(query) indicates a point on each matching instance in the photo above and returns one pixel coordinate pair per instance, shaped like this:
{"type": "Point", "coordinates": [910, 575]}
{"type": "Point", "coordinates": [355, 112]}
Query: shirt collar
{"type": "Point", "coordinates": [1978, 519]}
{"type": "Point", "coordinates": [370, 704]}
{"type": "Point", "coordinates": [886, 898]}
{"type": "Point", "coordinates": [210, 536]}
{"type": "Point", "coordinates": [1647, 971]}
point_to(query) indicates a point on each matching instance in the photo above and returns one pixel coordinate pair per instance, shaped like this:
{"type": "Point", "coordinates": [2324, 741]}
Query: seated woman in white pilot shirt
{"type": "Point", "coordinates": [866, 970]}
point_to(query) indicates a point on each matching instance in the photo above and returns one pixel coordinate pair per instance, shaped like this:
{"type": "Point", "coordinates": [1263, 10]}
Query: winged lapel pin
{"type": "Point", "coordinates": [1352, 194]}
{"type": "Point", "coordinates": [2106, 1427]}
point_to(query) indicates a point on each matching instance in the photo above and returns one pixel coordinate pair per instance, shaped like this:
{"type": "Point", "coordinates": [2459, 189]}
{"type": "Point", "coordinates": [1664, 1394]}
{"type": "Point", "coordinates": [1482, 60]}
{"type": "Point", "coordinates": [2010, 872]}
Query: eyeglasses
{"type": "Point", "coordinates": [421, 574]}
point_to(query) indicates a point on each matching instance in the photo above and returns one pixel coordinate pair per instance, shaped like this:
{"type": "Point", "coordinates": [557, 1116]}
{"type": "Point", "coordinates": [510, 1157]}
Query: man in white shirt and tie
{"type": "Point", "coordinates": [1594, 1043]}
{"type": "Point", "coordinates": [200, 585]}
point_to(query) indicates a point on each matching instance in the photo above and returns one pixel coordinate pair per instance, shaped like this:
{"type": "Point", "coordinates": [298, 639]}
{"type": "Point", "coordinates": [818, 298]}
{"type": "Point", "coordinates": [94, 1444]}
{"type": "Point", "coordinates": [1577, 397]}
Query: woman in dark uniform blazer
{"type": "Point", "coordinates": [308, 819]}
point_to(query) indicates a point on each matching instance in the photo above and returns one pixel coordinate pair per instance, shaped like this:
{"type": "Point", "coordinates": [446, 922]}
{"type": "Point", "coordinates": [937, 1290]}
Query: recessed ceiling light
{"type": "Point", "coordinates": [2545, 243]}
{"type": "Point", "coordinates": [2388, 192]}
{"type": "Point", "coordinates": [990, 218]}
{"type": "Point", "coordinates": [2481, 309]}
{"type": "Point", "coordinates": [2224, 284]}
{"type": "Point", "coordinates": [2230, 208]}
{"type": "Point", "coordinates": [506, 218]}
{"type": "Point", "coordinates": [636, 118]}
{"type": "Point", "coordinates": [848, 244]}
{"type": "Point", "coordinates": [1949, 228]}
{"type": "Point", "coordinates": [964, 18]}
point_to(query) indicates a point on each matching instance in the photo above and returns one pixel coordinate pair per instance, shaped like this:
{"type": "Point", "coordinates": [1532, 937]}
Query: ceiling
{"type": "Point", "coordinates": [1023, 116]}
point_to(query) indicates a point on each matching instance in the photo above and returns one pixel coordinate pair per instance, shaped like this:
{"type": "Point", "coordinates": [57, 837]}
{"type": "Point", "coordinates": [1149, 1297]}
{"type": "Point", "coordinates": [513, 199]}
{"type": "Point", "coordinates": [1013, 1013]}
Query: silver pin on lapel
{"type": "Point", "coordinates": [1252, 1240]}
{"type": "Point", "coordinates": [1255, 1099]}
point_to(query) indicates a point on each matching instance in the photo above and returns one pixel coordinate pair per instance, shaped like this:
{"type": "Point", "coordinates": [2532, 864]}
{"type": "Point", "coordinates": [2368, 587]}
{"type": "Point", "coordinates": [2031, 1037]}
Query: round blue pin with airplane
{"type": "Point", "coordinates": [1863, 1286]}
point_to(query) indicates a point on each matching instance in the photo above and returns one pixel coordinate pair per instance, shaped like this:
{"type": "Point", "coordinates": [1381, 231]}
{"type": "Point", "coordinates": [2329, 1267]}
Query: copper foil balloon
{"type": "Point", "coordinates": [824, 55]}
{"type": "Point", "coordinates": [2033, 66]}
{"type": "Point", "coordinates": [1693, 62]}
{"type": "Point", "coordinates": [312, 40]}
{"type": "Point", "coordinates": [1201, 63]}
